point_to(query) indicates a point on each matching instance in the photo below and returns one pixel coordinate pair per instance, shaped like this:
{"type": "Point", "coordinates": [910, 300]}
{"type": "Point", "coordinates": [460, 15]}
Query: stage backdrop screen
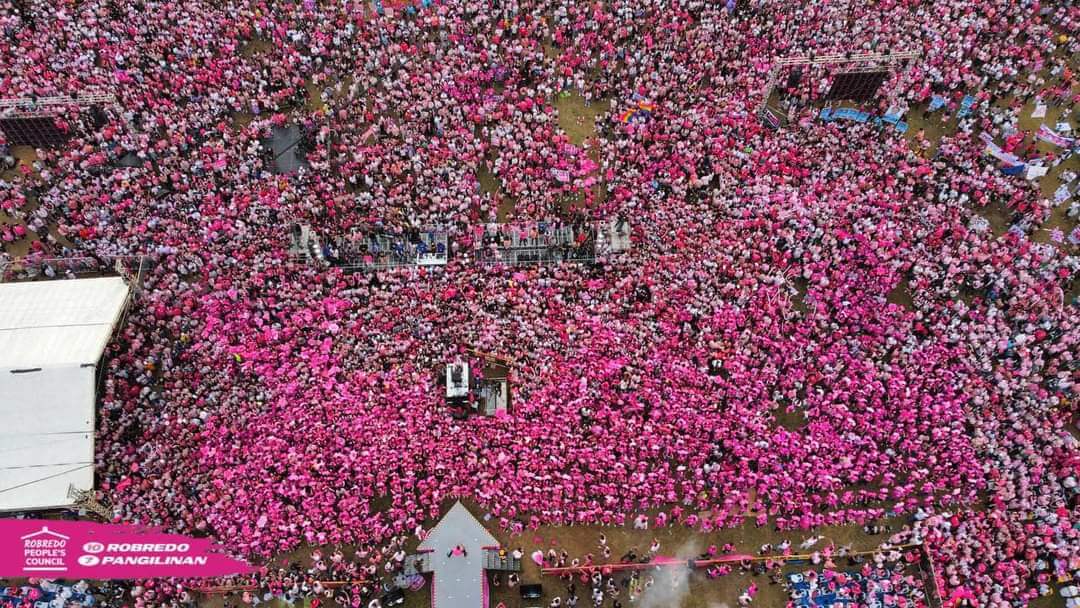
{"type": "Point", "coordinates": [39, 132]}
{"type": "Point", "coordinates": [856, 86]}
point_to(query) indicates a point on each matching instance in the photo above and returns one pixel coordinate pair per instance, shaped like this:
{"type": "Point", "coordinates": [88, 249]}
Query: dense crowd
{"type": "Point", "coordinates": [43, 593]}
{"type": "Point", "coordinates": [869, 585]}
{"type": "Point", "coordinates": [273, 404]}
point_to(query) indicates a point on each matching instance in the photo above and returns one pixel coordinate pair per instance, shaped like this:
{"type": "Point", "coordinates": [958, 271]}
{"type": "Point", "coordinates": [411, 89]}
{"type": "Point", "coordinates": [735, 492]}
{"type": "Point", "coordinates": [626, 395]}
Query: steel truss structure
{"type": "Point", "coordinates": [29, 107]}
{"type": "Point", "coordinates": [859, 62]}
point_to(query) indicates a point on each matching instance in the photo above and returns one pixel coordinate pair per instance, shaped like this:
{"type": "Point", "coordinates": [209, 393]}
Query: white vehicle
{"type": "Point", "coordinates": [457, 380]}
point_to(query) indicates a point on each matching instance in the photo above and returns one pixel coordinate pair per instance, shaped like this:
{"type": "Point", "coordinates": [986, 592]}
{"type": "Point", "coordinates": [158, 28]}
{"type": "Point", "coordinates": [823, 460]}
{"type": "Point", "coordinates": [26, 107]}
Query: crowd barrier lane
{"type": "Point", "coordinates": [223, 589]}
{"type": "Point", "coordinates": [701, 563]}
{"type": "Point", "coordinates": [336, 584]}
{"type": "Point", "coordinates": [611, 567]}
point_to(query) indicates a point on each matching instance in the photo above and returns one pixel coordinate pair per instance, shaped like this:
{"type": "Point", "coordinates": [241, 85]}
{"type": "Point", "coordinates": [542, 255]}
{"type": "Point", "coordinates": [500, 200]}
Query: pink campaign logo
{"type": "Point", "coordinates": [67, 549]}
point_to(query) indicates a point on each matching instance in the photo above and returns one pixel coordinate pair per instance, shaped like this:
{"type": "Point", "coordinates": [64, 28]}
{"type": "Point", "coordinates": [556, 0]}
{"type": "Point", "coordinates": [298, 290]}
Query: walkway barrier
{"type": "Point", "coordinates": [505, 562]}
{"type": "Point", "coordinates": [223, 589]}
{"type": "Point", "coordinates": [704, 563]}
{"type": "Point", "coordinates": [33, 266]}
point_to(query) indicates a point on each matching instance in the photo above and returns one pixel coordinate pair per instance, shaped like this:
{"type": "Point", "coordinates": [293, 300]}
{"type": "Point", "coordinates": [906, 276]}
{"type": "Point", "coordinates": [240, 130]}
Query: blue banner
{"type": "Point", "coordinates": [965, 106]}
{"type": "Point", "coordinates": [894, 120]}
{"type": "Point", "coordinates": [829, 115]}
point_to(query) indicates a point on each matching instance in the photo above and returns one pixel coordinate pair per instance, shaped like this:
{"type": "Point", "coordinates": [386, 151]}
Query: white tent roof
{"type": "Point", "coordinates": [52, 335]}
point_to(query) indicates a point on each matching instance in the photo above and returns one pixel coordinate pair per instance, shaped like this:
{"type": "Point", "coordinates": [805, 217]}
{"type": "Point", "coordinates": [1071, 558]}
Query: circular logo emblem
{"type": "Point", "coordinates": [89, 560]}
{"type": "Point", "coordinates": [93, 547]}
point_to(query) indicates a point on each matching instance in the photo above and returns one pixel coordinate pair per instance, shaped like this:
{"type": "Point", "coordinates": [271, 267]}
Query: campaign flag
{"type": "Point", "coordinates": [995, 150]}
{"type": "Point", "coordinates": [642, 113]}
{"type": "Point", "coordinates": [936, 102]}
{"type": "Point", "coordinates": [771, 119]}
{"type": "Point", "coordinates": [1051, 137]}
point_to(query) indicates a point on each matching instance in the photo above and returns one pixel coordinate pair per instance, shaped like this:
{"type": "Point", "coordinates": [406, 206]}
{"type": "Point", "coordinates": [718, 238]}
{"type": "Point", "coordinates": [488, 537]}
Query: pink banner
{"type": "Point", "coordinates": [78, 549]}
{"type": "Point", "coordinates": [995, 150]}
{"type": "Point", "coordinates": [1051, 137]}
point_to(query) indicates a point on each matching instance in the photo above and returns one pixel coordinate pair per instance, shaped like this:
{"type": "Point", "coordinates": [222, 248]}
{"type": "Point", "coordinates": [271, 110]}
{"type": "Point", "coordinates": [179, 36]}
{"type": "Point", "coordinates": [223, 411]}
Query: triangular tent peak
{"type": "Point", "coordinates": [458, 526]}
{"type": "Point", "coordinates": [455, 553]}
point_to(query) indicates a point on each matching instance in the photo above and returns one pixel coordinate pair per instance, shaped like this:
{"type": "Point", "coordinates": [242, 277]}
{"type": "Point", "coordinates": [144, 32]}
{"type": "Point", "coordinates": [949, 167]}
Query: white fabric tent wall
{"type": "Point", "coordinates": [52, 335]}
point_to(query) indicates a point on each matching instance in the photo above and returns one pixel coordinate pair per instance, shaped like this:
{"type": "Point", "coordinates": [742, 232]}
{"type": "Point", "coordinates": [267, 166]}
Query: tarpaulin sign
{"type": "Point", "coordinates": [86, 550]}
{"type": "Point", "coordinates": [1036, 171]}
{"type": "Point", "coordinates": [771, 119]}
{"type": "Point", "coordinates": [561, 174]}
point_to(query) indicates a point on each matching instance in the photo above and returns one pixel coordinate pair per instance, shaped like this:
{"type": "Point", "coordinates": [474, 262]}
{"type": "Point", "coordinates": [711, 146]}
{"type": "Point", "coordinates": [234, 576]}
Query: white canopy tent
{"type": "Point", "coordinates": [52, 334]}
